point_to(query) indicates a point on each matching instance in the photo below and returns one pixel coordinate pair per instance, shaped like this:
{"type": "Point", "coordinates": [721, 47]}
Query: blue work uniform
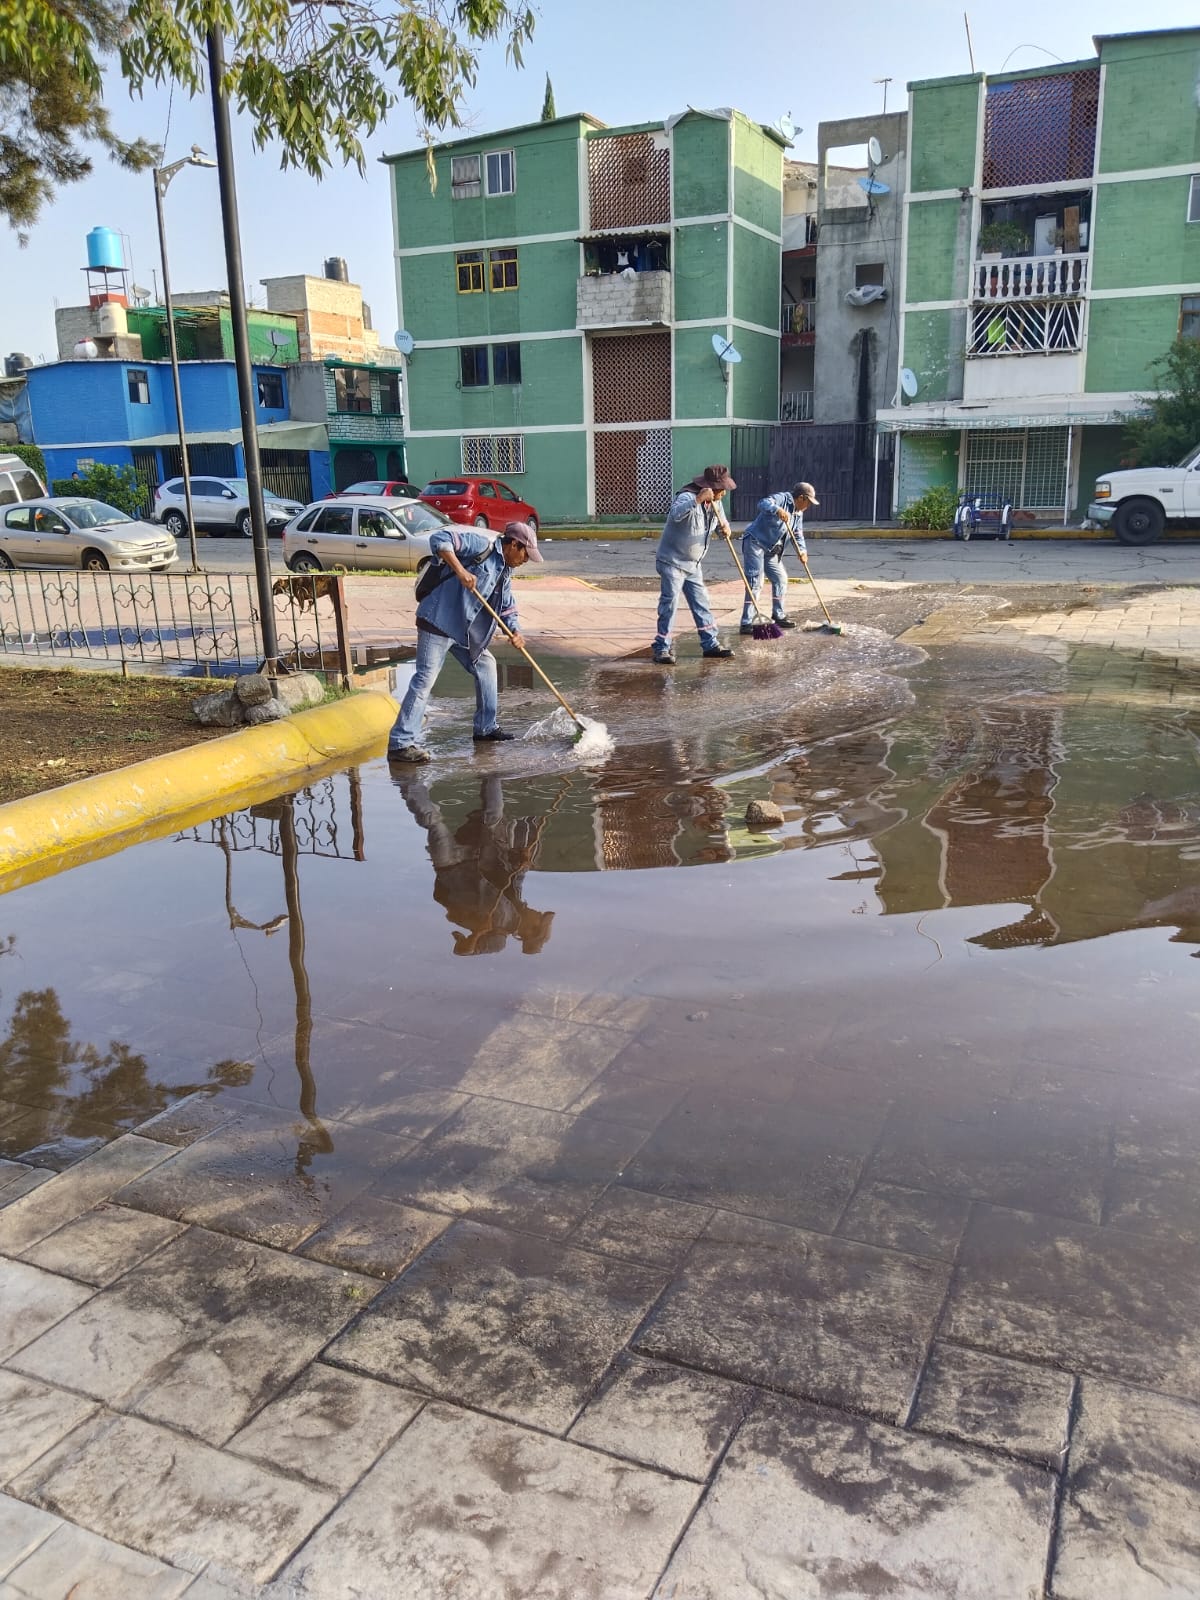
{"type": "Point", "coordinates": [681, 549]}
{"type": "Point", "coordinates": [762, 552]}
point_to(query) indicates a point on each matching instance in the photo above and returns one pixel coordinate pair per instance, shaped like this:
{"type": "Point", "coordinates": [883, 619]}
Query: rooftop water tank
{"type": "Point", "coordinates": [104, 249]}
{"type": "Point", "coordinates": [335, 267]}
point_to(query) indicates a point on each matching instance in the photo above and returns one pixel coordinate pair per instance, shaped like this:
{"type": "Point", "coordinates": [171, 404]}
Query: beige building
{"type": "Point", "coordinates": [330, 315]}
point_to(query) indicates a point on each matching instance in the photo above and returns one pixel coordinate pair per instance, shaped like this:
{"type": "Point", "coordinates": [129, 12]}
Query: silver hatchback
{"type": "Point", "coordinates": [374, 531]}
{"type": "Point", "coordinates": [70, 531]}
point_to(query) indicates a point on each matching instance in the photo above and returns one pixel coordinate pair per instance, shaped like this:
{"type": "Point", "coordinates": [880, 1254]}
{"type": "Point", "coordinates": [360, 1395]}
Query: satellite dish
{"type": "Point", "coordinates": [404, 341]}
{"type": "Point", "coordinates": [873, 186]}
{"type": "Point", "coordinates": [908, 382]}
{"type": "Point", "coordinates": [874, 152]}
{"type": "Point", "coordinates": [786, 128]}
{"type": "Point", "coordinates": [726, 354]}
{"type": "Point", "coordinates": [279, 338]}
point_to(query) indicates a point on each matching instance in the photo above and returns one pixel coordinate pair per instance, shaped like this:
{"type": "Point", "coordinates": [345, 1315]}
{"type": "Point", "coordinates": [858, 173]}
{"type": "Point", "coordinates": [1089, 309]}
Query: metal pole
{"type": "Point", "coordinates": [162, 178]}
{"type": "Point", "coordinates": [247, 399]}
{"type": "Point", "coordinates": [875, 490]}
{"type": "Point", "coordinates": [1067, 490]}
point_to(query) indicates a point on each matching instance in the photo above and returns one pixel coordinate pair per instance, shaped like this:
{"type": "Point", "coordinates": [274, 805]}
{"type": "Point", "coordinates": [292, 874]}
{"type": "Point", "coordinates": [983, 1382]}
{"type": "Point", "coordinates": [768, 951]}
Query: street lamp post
{"type": "Point", "coordinates": [162, 180]}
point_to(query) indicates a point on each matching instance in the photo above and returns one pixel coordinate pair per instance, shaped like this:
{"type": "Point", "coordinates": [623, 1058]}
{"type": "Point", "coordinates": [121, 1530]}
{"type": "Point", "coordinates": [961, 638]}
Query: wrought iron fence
{"type": "Point", "coordinates": [327, 818]}
{"type": "Point", "coordinates": [182, 621]}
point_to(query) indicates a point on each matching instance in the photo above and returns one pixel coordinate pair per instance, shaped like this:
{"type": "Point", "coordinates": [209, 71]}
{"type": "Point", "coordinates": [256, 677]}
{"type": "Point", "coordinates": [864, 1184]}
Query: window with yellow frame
{"type": "Point", "coordinates": [468, 264]}
{"type": "Point", "coordinates": [503, 265]}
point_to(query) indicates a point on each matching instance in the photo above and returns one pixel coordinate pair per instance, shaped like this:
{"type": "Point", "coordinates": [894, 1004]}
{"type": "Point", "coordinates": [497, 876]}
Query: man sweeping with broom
{"type": "Point", "coordinates": [762, 550]}
{"type": "Point", "coordinates": [691, 522]}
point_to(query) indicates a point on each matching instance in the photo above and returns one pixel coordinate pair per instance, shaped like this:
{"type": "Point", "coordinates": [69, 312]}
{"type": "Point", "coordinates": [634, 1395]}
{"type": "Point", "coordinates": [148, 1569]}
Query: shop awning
{"type": "Point", "coordinates": [1091, 411]}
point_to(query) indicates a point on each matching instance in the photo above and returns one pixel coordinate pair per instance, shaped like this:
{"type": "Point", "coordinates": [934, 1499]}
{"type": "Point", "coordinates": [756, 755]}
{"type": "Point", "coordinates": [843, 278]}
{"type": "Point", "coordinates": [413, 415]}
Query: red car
{"type": "Point", "coordinates": [486, 502]}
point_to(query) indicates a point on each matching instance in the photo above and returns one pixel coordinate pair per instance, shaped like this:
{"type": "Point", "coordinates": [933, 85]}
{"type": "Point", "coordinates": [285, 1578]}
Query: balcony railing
{"type": "Point", "coordinates": [1025, 328]}
{"type": "Point", "coordinates": [1030, 278]}
{"type": "Point", "coordinates": [798, 316]}
{"type": "Point", "coordinates": [796, 405]}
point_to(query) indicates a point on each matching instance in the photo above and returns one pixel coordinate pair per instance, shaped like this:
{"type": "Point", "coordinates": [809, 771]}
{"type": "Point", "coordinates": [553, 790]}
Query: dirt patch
{"type": "Point", "coordinates": [59, 726]}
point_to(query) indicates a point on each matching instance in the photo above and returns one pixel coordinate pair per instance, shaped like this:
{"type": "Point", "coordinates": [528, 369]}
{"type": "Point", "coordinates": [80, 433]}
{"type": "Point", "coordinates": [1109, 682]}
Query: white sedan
{"type": "Point", "coordinates": [72, 531]}
{"type": "Point", "coordinates": [372, 531]}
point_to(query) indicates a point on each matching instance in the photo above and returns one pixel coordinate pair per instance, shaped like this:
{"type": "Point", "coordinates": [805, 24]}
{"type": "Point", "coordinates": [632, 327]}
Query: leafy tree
{"type": "Point", "coordinates": [51, 103]}
{"type": "Point", "coordinates": [116, 486]}
{"type": "Point", "coordinates": [1172, 425]}
{"type": "Point", "coordinates": [31, 455]}
{"type": "Point", "coordinates": [318, 78]}
{"type": "Point", "coordinates": [548, 111]}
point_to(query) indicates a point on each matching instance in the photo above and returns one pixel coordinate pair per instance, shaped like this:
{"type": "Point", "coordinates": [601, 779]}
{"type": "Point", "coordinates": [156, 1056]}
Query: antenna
{"type": "Point", "coordinates": [909, 383]}
{"type": "Point", "coordinates": [725, 353]}
{"type": "Point", "coordinates": [785, 127]}
{"type": "Point", "coordinates": [874, 153]}
{"type": "Point", "coordinates": [970, 46]}
{"type": "Point", "coordinates": [873, 186]}
{"type": "Point", "coordinates": [884, 82]}
{"type": "Point", "coordinates": [404, 341]}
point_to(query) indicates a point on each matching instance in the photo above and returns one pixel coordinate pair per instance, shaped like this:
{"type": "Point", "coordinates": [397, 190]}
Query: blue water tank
{"type": "Point", "coordinates": [104, 249]}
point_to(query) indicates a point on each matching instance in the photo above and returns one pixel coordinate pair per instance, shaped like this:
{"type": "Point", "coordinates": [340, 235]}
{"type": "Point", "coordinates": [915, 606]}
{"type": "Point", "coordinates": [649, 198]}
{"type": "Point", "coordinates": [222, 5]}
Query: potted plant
{"type": "Point", "coordinates": [999, 239]}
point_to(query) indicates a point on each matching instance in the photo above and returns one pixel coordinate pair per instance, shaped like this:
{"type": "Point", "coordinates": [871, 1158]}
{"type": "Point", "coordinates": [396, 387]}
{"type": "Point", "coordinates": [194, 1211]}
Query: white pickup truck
{"type": "Point", "coordinates": [1138, 504]}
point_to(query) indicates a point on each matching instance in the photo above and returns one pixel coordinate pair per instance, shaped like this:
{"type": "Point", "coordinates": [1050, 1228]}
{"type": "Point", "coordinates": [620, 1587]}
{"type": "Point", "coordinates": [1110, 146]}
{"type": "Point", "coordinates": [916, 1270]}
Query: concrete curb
{"type": "Point", "coordinates": [45, 833]}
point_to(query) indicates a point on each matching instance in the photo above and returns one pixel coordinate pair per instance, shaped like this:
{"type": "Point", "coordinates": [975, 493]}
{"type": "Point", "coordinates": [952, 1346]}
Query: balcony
{"type": "Point", "coordinates": [1031, 278]}
{"type": "Point", "coordinates": [797, 321]}
{"type": "Point", "coordinates": [623, 299]}
{"type": "Point", "coordinates": [1027, 305]}
{"type": "Point", "coordinates": [796, 405]}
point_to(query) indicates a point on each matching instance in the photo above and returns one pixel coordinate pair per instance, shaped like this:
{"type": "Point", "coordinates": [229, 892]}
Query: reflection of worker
{"type": "Point", "coordinates": [479, 869]}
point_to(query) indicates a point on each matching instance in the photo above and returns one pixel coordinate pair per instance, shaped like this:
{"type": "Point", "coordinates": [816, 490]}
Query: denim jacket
{"type": "Point", "coordinates": [456, 611]}
{"type": "Point", "coordinates": [767, 530]}
{"type": "Point", "coordinates": [688, 528]}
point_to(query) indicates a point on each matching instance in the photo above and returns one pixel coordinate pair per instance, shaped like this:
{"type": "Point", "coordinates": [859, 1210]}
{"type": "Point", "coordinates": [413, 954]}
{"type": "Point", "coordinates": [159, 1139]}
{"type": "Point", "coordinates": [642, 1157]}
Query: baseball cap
{"type": "Point", "coordinates": [522, 533]}
{"type": "Point", "coordinates": [807, 490]}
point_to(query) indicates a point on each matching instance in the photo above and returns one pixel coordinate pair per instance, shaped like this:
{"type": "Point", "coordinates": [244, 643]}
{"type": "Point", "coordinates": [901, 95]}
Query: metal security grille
{"type": "Point", "coordinates": [1023, 328]}
{"type": "Point", "coordinates": [633, 473]}
{"type": "Point", "coordinates": [1041, 130]}
{"type": "Point", "coordinates": [493, 452]}
{"type": "Point", "coordinates": [631, 378]}
{"type": "Point", "coordinates": [629, 181]}
{"type": "Point", "coordinates": [1026, 466]}
{"type": "Point", "coordinates": [205, 460]}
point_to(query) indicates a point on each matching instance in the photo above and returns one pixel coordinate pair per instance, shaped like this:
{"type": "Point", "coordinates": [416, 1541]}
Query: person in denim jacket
{"type": "Point", "coordinates": [763, 545]}
{"type": "Point", "coordinates": [451, 621]}
{"type": "Point", "coordinates": [693, 518]}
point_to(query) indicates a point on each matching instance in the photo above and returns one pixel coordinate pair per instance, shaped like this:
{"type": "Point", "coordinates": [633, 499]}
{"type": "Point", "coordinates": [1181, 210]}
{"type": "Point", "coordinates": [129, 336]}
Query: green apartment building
{"type": "Point", "coordinates": [563, 282]}
{"type": "Point", "coordinates": [1051, 252]}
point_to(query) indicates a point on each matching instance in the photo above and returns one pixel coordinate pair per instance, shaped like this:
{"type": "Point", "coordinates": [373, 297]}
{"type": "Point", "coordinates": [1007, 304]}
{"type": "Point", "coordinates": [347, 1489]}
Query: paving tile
{"type": "Point", "coordinates": [641, 1227]}
{"type": "Point", "coordinates": [1089, 1300]}
{"type": "Point", "coordinates": [468, 1505]}
{"type": "Point", "coordinates": [21, 1180]}
{"type": "Point", "coordinates": [804, 1167]}
{"type": "Point", "coordinates": [22, 1529]}
{"type": "Point", "coordinates": [102, 1244]}
{"type": "Point", "coordinates": [75, 1563]}
{"type": "Point", "coordinates": [619, 1096]}
{"type": "Point", "coordinates": [378, 1237]}
{"type": "Point", "coordinates": [519, 1326]}
{"type": "Point", "coordinates": [1141, 1204]}
{"type": "Point", "coordinates": [811, 1503]}
{"type": "Point", "coordinates": [665, 1417]}
{"type": "Point", "coordinates": [906, 1219]}
{"type": "Point", "coordinates": [412, 1113]}
{"type": "Point", "coordinates": [54, 1136]}
{"type": "Point", "coordinates": [329, 1426]}
{"type": "Point", "coordinates": [1003, 1405]}
{"type": "Point", "coordinates": [1008, 1152]}
{"type": "Point", "coordinates": [175, 1498]}
{"type": "Point", "coordinates": [32, 1301]}
{"type": "Point", "coordinates": [201, 1335]}
{"type": "Point", "coordinates": [532, 1169]}
{"type": "Point", "coordinates": [34, 1416]}
{"type": "Point", "coordinates": [825, 1319]}
{"type": "Point", "coordinates": [1130, 1520]}
{"type": "Point", "coordinates": [16, 1172]}
{"type": "Point", "coordinates": [539, 1062]}
{"type": "Point", "coordinates": [75, 1191]}
{"type": "Point", "coordinates": [190, 1119]}
{"type": "Point", "coordinates": [268, 1177]}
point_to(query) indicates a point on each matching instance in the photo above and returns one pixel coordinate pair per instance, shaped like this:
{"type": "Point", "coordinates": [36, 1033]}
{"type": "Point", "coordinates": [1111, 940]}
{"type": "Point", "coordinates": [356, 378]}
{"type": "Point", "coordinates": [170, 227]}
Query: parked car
{"type": "Point", "coordinates": [219, 505]}
{"type": "Point", "coordinates": [70, 531]}
{"type": "Point", "coordinates": [19, 482]}
{"type": "Point", "coordinates": [486, 502]}
{"type": "Point", "coordinates": [1139, 503]}
{"type": "Point", "coordinates": [369, 532]}
{"type": "Point", "coordinates": [378, 486]}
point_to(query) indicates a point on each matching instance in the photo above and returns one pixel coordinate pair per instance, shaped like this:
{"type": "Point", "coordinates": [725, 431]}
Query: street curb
{"type": "Point", "coordinates": [45, 833]}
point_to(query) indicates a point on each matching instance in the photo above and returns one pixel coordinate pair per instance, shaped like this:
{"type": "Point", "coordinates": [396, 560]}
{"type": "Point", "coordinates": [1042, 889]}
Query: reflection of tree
{"type": "Point", "coordinates": [479, 868]}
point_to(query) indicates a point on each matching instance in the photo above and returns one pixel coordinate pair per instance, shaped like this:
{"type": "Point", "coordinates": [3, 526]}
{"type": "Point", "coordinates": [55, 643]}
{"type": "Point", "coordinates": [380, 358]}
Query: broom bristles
{"type": "Point", "coordinates": [767, 630]}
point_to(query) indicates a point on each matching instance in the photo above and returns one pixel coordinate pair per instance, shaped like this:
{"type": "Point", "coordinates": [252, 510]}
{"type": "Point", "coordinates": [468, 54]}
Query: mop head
{"type": "Point", "coordinates": [767, 630]}
{"type": "Point", "coordinates": [823, 627]}
{"type": "Point", "coordinates": [592, 740]}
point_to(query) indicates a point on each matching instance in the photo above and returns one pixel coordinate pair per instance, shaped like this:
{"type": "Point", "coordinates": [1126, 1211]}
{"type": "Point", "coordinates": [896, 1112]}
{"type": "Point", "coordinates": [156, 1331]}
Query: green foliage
{"type": "Point", "coordinates": [1009, 237]}
{"type": "Point", "coordinates": [116, 486]}
{"type": "Point", "coordinates": [548, 111]}
{"type": "Point", "coordinates": [1171, 427]}
{"type": "Point", "coordinates": [935, 509]}
{"type": "Point", "coordinates": [51, 106]}
{"type": "Point", "coordinates": [31, 455]}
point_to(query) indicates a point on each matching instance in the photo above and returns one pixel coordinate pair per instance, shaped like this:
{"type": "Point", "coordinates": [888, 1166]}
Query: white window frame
{"type": "Point", "coordinates": [492, 455]}
{"type": "Point", "coordinates": [1193, 212]}
{"type": "Point", "coordinates": [498, 155]}
{"type": "Point", "coordinates": [462, 185]}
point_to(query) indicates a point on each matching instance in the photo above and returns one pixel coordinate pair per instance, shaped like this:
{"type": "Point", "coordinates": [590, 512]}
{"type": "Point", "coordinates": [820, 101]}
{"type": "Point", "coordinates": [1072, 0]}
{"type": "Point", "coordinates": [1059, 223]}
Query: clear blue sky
{"type": "Point", "coordinates": [624, 61]}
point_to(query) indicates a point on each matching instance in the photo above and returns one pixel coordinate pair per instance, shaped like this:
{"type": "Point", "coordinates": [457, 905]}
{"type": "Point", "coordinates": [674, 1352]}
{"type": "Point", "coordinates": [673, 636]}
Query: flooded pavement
{"type": "Point", "coordinates": [545, 1185]}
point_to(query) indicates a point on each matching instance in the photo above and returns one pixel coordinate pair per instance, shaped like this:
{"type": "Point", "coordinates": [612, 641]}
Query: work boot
{"type": "Point", "coordinates": [783, 622]}
{"type": "Point", "coordinates": [410, 753]}
{"type": "Point", "coordinates": [497, 736]}
{"type": "Point", "coordinates": [717, 652]}
{"type": "Point", "coordinates": [747, 630]}
{"type": "Point", "coordinates": [664, 658]}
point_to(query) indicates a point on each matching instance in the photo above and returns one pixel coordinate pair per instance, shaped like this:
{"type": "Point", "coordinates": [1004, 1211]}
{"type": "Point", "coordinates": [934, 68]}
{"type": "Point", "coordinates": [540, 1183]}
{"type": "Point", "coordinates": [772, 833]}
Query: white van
{"type": "Point", "coordinates": [17, 481]}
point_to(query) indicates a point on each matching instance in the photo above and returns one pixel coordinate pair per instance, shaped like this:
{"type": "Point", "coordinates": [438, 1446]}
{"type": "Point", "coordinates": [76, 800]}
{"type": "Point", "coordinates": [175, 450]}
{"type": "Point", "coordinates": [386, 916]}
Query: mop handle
{"type": "Point", "coordinates": [509, 635]}
{"type": "Point", "coordinates": [811, 579]}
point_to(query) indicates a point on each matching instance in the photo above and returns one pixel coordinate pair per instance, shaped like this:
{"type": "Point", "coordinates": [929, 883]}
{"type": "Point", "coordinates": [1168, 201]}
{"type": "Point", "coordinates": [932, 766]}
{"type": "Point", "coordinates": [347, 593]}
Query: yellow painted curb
{"type": "Point", "coordinates": [43, 833]}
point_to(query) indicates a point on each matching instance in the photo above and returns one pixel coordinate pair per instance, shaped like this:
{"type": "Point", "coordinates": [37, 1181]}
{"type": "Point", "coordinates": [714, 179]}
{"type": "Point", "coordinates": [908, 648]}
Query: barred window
{"type": "Point", "coordinates": [464, 177]}
{"type": "Point", "coordinates": [352, 389]}
{"type": "Point", "coordinates": [493, 452]}
{"type": "Point", "coordinates": [468, 264]}
{"type": "Point", "coordinates": [503, 265]}
{"type": "Point", "coordinates": [1189, 316]}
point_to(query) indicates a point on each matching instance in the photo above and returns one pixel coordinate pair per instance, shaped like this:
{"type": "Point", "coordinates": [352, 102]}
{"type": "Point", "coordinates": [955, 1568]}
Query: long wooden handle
{"type": "Point", "coordinates": [509, 635]}
{"type": "Point", "coordinates": [728, 532]}
{"type": "Point", "coordinates": [811, 579]}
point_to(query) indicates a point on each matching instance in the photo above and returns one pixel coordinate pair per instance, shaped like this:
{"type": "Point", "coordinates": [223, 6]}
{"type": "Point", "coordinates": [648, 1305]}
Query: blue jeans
{"type": "Point", "coordinates": [755, 560]}
{"type": "Point", "coordinates": [432, 650]}
{"type": "Point", "coordinates": [691, 584]}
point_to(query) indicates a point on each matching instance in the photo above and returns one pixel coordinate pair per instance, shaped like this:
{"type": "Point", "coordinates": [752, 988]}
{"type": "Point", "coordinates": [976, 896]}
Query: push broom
{"type": "Point", "coordinates": [829, 625]}
{"type": "Point", "coordinates": [763, 627]}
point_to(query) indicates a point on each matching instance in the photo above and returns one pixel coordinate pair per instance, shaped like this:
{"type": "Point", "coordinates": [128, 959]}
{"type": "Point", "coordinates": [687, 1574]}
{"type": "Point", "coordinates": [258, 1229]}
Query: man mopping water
{"type": "Point", "coordinates": [690, 524]}
{"type": "Point", "coordinates": [452, 620]}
